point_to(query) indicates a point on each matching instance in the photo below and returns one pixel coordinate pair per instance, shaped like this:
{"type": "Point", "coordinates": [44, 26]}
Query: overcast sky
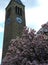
{"type": "Point", "coordinates": [36, 12]}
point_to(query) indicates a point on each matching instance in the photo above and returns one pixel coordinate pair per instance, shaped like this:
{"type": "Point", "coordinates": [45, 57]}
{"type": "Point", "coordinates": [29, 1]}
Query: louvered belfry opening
{"type": "Point", "coordinates": [18, 11]}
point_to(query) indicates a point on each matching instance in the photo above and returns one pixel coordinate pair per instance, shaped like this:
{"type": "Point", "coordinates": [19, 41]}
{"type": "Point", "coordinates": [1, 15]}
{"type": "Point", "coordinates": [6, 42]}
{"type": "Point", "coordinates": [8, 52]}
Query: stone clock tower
{"type": "Point", "coordinates": [14, 22]}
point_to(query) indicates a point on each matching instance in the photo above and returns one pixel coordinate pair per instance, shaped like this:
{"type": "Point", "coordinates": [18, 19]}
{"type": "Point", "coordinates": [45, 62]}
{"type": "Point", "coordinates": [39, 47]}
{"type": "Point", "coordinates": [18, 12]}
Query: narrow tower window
{"type": "Point", "coordinates": [21, 11]}
{"type": "Point", "coordinates": [8, 12]}
{"type": "Point", "coordinates": [18, 11]}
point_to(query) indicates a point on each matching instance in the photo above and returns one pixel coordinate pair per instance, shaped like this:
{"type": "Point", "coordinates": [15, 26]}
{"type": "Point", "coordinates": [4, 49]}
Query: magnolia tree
{"type": "Point", "coordinates": [29, 49]}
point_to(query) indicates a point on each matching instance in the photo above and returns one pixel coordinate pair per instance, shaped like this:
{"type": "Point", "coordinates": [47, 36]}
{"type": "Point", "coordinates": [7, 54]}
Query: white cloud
{"type": "Point", "coordinates": [35, 17]}
{"type": "Point", "coordinates": [43, 2]}
{"type": "Point", "coordinates": [1, 29]}
{"type": "Point", "coordinates": [0, 55]}
{"type": "Point", "coordinates": [2, 16]}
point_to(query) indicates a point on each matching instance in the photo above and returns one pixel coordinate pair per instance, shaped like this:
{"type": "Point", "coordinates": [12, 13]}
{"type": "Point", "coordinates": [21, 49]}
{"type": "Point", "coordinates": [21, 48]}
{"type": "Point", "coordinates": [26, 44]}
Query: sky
{"type": "Point", "coordinates": [36, 14]}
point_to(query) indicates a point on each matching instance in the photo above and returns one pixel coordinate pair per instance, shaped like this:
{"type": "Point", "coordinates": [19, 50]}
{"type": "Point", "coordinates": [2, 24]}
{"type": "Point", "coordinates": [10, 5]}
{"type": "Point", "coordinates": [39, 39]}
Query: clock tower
{"type": "Point", "coordinates": [14, 22]}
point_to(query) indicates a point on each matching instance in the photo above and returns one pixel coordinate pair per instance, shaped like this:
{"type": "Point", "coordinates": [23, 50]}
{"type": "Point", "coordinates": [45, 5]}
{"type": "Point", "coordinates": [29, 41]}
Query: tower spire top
{"type": "Point", "coordinates": [18, 1]}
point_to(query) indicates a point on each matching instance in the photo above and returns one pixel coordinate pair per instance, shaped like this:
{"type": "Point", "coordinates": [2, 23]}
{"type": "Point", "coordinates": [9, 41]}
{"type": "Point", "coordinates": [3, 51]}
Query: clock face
{"type": "Point", "coordinates": [8, 21]}
{"type": "Point", "coordinates": [19, 20]}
